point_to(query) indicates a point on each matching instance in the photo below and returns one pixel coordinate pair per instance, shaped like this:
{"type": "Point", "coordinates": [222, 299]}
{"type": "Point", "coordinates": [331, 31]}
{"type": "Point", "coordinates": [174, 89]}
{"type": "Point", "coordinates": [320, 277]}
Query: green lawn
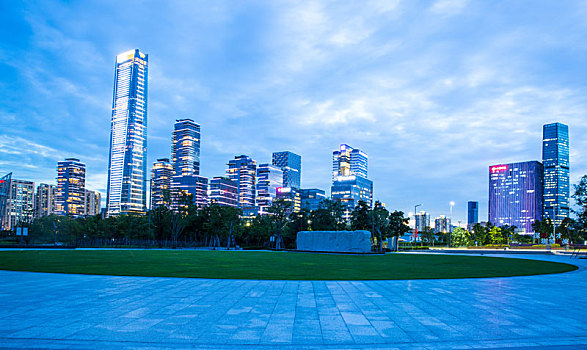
{"type": "Point", "coordinates": [271, 265]}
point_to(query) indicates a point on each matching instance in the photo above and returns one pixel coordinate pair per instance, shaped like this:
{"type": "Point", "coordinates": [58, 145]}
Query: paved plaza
{"type": "Point", "coordinates": [41, 310]}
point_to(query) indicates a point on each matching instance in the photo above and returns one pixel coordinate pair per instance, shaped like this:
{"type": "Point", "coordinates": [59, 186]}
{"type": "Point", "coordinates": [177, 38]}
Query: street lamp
{"type": "Point", "coordinates": [452, 204]}
{"type": "Point", "coordinates": [415, 220]}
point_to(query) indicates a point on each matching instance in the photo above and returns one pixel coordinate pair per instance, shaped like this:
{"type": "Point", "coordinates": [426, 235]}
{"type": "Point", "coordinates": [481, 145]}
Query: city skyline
{"type": "Point", "coordinates": [395, 100]}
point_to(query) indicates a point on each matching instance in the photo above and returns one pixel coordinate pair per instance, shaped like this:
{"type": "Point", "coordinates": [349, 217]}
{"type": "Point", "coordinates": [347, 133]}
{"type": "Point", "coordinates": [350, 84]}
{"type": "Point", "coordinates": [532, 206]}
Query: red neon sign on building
{"type": "Point", "coordinates": [498, 168]}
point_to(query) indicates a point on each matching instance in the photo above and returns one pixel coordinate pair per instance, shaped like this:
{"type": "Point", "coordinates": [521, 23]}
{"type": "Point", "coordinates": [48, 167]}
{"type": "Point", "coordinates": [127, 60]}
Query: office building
{"type": "Point", "coordinates": [311, 198]}
{"type": "Point", "coordinates": [161, 177]}
{"type": "Point", "coordinates": [555, 159]}
{"type": "Point", "coordinates": [422, 221]}
{"type": "Point", "coordinates": [269, 179]}
{"type": "Point", "coordinates": [515, 194]}
{"type": "Point", "coordinates": [223, 191]}
{"type": "Point", "coordinates": [472, 213]}
{"type": "Point", "coordinates": [45, 200]}
{"type": "Point", "coordinates": [291, 165]}
{"type": "Point", "coordinates": [20, 203]}
{"type": "Point", "coordinates": [290, 195]}
{"type": "Point", "coordinates": [185, 148]}
{"type": "Point", "coordinates": [127, 167]}
{"type": "Point", "coordinates": [70, 196]}
{"type": "Point", "coordinates": [93, 203]}
{"type": "Point", "coordinates": [4, 196]}
{"type": "Point", "coordinates": [243, 171]}
{"type": "Point", "coordinates": [349, 178]}
{"type": "Point", "coordinates": [442, 224]}
{"type": "Point", "coordinates": [183, 187]}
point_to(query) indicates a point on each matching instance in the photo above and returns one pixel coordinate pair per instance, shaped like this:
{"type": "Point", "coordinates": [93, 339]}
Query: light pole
{"type": "Point", "coordinates": [415, 220]}
{"type": "Point", "coordinates": [452, 204]}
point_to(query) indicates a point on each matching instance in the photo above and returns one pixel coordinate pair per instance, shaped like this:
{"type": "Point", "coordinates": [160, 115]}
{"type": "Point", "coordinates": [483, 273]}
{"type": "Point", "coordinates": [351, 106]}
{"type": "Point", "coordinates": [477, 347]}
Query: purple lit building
{"type": "Point", "coordinates": [515, 194]}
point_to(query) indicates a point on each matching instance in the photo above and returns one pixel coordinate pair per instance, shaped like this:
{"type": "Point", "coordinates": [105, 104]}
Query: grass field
{"type": "Point", "coordinates": [271, 265]}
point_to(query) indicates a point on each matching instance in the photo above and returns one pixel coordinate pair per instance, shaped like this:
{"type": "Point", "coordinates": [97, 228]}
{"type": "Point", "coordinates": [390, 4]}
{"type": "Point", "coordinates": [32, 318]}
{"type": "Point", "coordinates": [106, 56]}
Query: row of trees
{"type": "Point", "coordinates": [215, 226]}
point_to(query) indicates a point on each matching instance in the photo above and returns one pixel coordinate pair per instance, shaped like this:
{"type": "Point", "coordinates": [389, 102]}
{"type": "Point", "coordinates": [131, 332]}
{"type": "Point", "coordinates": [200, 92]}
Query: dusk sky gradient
{"type": "Point", "coordinates": [433, 91]}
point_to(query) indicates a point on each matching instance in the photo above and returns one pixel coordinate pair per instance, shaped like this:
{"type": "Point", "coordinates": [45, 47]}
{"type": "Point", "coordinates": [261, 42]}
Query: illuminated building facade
{"type": "Point", "coordinates": [555, 158]}
{"type": "Point", "coordinates": [223, 191]}
{"type": "Point", "coordinates": [70, 196]}
{"type": "Point", "coordinates": [291, 195]}
{"type": "Point", "coordinates": [269, 179]}
{"type": "Point", "coordinates": [185, 148]}
{"type": "Point", "coordinates": [4, 197]}
{"type": "Point", "coordinates": [349, 178]}
{"type": "Point", "coordinates": [20, 203]}
{"type": "Point", "coordinates": [93, 203]}
{"type": "Point", "coordinates": [243, 171]}
{"type": "Point", "coordinates": [442, 224]}
{"type": "Point", "coordinates": [291, 165]}
{"type": "Point", "coordinates": [311, 198]}
{"type": "Point", "coordinates": [515, 194]}
{"type": "Point", "coordinates": [161, 176]}
{"type": "Point", "coordinates": [45, 200]}
{"type": "Point", "coordinates": [472, 213]}
{"type": "Point", "coordinates": [194, 185]}
{"type": "Point", "coordinates": [127, 167]}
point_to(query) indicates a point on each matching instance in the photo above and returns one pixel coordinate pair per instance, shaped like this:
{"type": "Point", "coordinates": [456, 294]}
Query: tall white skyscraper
{"type": "Point", "coordinates": [127, 169]}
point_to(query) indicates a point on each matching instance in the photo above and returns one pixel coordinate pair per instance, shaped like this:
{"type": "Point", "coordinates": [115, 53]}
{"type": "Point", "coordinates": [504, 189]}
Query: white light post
{"type": "Point", "coordinates": [452, 204]}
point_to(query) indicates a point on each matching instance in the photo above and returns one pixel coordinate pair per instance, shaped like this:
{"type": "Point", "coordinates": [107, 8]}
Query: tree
{"type": "Point", "coordinates": [361, 217]}
{"type": "Point", "coordinates": [580, 197]}
{"type": "Point", "coordinates": [460, 237]}
{"type": "Point", "coordinates": [427, 235]}
{"type": "Point", "coordinates": [495, 236]}
{"type": "Point", "coordinates": [544, 227]}
{"type": "Point", "coordinates": [328, 217]}
{"type": "Point", "coordinates": [480, 233]}
{"type": "Point", "coordinates": [279, 215]}
{"type": "Point", "coordinates": [298, 221]}
{"type": "Point", "coordinates": [379, 218]}
{"type": "Point", "coordinates": [398, 224]}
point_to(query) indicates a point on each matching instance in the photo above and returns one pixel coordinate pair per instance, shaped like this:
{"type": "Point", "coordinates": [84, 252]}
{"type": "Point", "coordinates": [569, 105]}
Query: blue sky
{"type": "Point", "coordinates": [433, 91]}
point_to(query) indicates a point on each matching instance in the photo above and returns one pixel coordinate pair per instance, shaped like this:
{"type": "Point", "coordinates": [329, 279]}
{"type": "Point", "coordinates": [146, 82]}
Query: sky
{"type": "Point", "coordinates": [433, 91]}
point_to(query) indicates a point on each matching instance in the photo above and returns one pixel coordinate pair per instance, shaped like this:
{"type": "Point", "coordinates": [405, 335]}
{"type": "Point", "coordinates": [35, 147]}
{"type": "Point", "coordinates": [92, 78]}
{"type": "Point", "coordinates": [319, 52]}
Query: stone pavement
{"type": "Point", "coordinates": [39, 310]}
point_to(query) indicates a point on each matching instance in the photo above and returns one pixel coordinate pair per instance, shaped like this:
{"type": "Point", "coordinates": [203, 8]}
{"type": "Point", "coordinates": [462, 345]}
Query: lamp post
{"type": "Point", "coordinates": [452, 204]}
{"type": "Point", "coordinates": [415, 221]}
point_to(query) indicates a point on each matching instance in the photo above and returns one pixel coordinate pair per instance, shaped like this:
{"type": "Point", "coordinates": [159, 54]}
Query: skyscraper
{"type": "Point", "coordinates": [291, 195]}
{"type": "Point", "coordinates": [93, 203]}
{"type": "Point", "coordinates": [127, 167]}
{"type": "Point", "coordinates": [4, 197]}
{"type": "Point", "coordinates": [269, 179]}
{"type": "Point", "coordinates": [422, 221]}
{"type": "Point", "coordinates": [70, 197]}
{"type": "Point", "coordinates": [472, 213]}
{"type": "Point", "coordinates": [442, 224]}
{"type": "Point", "coordinates": [161, 177]}
{"type": "Point", "coordinates": [185, 148]}
{"type": "Point", "coordinates": [555, 158]}
{"type": "Point", "coordinates": [311, 198]}
{"type": "Point", "coordinates": [45, 200]}
{"type": "Point", "coordinates": [349, 178]}
{"type": "Point", "coordinates": [291, 165]}
{"type": "Point", "coordinates": [243, 171]}
{"type": "Point", "coordinates": [515, 194]}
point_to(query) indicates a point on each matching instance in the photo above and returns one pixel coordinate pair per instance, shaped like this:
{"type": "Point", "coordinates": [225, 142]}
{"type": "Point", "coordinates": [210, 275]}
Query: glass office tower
{"type": "Point", "coordinates": [127, 167]}
{"type": "Point", "coordinates": [472, 213]}
{"type": "Point", "coordinates": [243, 171]}
{"type": "Point", "coordinates": [70, 197]}
{"type": "Point", "coordinates": [185, 147]}
{"type": "Point", "coordinates": [515, 194]}
{"type": "Point", "coordinates": [291, 165]}
{"type": "Point", "coordinates": [161, 176]}
{"type": "Point", "coordinates": [555, 158]}
{"type": "Point", "coordinates": [4, 195]}
{"type": "Point", "coordinates": [269, 179]}
{"type": "Point", "coordinates": [349, 178]}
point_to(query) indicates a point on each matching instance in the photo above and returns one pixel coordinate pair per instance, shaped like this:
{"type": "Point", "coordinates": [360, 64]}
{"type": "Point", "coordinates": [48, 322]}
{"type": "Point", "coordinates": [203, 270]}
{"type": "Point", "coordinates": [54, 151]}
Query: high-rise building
{"type": "Point", "coordinates": [349, 178]}
{"type": "Point", "coordinates": [311, 198]}
{"type": "Point", "coordinates": [223, 191]}
{"type": "Point", "coordinates": [93, 203]}
{"type": "Point", "coordinates": [291, 195]}
{"type": "Point", "coordinates": [194, 185]}
{"type": "Point", "coordinates": [472, 213]}
{"type": "Point", "coordinates": [269, 179]}
{"type": "Point", "coordinates": [515, 194]}
{"type": "Point", "coordinates": [20, 203]}
{"type": "Point", "coordinates": [291, 165]}
{"type": "Point", "coordinates": [45, 200]}
{"type": "Point", "coordinates": [4, 198]}
{"type": "Point", "coordinates": [127, 167]}
{"type": "Point", "coordinates": [555, 158]}
{"type": "Point", "coordinates": [243, 170]}
{"type": "Point", "coordinates": [422, 221]}
{"type": "Point", "coordinates": [161, 177]}
{"type": "Point", "coordinates": [185, 148]}
{"type": "Point", "coordinates": [442, 224]}
{"type": "Point", "coordinates": [70, 196]}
